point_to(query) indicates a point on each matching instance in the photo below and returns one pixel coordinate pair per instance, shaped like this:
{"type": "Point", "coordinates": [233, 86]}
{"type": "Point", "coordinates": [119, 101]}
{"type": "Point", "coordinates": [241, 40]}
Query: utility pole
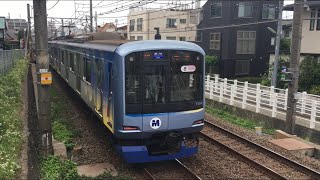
{"type": "Point", "coordinates": [96, 20]}
{"type": "Point", "coordinates": [29, 32]}
{"type": "Point", "coordinates": [62, 27]}
{"type": "Point", "coordinates": [91, 18]}
{"type": "Point", "coordinates": [294, 64]}
{"type": "Point", "coordinates": [277, 50]}
{"type": "Point", "coordinates": [42, 64]}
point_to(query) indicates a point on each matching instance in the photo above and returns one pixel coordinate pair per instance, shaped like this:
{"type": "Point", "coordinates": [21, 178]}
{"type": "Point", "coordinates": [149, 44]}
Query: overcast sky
{"type": "Point", "coordinates": [66, 8]}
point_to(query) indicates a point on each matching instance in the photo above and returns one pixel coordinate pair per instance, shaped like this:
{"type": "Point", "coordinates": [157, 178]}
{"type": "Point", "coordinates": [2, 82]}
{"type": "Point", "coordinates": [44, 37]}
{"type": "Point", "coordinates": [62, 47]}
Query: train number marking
{"type": "Point", "coordinates": [155, 123]}
{"type": "Point", "coordinates": [188, 68]}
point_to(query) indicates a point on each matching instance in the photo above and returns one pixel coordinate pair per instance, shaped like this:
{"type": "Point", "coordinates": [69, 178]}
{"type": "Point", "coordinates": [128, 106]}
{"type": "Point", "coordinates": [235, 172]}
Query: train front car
{"type": "Point", "coordinates": [162, 100]}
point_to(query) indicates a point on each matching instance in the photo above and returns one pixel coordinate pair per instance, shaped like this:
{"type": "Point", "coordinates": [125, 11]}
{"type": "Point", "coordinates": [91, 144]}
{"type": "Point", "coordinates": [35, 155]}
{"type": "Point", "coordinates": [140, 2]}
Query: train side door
{"type": "Point", "coordinates": [108, 97]}
{"type": "Point", "coordinates": [78, 74]}
{"type": "Point", "coordinates": [99, 84]}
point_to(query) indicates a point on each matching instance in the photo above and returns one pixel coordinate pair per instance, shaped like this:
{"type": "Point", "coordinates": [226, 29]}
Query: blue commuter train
{"type": "Point", "coordinates": [149, 94]}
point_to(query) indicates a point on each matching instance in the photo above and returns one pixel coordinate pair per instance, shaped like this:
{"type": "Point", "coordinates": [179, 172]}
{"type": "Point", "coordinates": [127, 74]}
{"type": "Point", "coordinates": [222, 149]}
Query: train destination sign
{"type": "Point", "coordinates": [188, 68]}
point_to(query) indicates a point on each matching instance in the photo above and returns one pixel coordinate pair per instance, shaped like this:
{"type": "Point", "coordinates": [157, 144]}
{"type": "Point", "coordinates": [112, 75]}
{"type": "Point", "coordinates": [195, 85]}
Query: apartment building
{"type": "Point", "coordinates": [174, 24]}
{"type": "Point", "coordinates": [17, 24]}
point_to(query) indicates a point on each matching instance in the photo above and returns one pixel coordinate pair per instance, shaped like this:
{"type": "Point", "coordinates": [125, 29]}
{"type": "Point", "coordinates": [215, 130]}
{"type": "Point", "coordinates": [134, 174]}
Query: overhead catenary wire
{"type": "Point", "coordinates": [54, 5]}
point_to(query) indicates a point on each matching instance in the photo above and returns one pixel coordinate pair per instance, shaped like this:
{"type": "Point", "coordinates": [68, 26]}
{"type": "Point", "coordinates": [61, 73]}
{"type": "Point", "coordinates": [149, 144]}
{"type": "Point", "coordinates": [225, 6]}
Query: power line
{"type": "Point", "coordinates": [54, 5]}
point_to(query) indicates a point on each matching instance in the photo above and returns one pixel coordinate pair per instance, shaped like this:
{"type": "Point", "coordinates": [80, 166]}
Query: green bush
{"type": "Point", "coordinates": [309, 74]}
{"type": "Point", "coordinates": [10, 120]}
{"type": "Point", "coordinates": [52, 167]}
{"type": "Point", "coordinates": [315, 90]}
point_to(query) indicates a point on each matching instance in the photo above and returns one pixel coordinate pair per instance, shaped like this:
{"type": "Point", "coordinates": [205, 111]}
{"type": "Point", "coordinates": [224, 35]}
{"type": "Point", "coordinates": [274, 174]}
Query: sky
{"type": "Point", "coordinates": [66, 8]}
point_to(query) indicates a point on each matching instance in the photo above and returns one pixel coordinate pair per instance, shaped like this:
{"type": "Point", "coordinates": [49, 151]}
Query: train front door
{"type": "Point", "coordinates": [155, 87]}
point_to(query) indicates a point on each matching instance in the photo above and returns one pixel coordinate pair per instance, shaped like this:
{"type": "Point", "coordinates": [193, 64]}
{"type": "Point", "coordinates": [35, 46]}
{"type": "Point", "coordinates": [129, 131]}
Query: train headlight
{"type": "Point", "coordinates": [130, 128]}
{"type": "Point", "coordinates": [198, 122]}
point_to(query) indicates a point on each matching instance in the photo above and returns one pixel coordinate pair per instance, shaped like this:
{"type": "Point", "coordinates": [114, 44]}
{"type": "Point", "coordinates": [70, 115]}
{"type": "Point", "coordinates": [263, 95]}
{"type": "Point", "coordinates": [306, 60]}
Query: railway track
{"type": "Point", "coordinates": [271, 163]}
{"type": "Point", "coordinates": [183, 170]}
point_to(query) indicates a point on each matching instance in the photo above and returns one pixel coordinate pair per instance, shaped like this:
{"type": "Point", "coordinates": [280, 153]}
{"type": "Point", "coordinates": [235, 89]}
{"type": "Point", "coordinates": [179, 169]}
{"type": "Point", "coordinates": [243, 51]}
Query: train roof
{"type": "Point", "coordinates": [147, 45]}
{"type": "Point", "coordinates": [124, 47]}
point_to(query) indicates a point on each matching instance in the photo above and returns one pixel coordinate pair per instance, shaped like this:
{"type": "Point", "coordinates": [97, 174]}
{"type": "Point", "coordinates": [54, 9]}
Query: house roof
{"type": "Point", "coordinates": [290, 7]}
{"type": "Point", "coordinates": [11, 35]}
{"type": "Point", "coordinates": [106, 26]}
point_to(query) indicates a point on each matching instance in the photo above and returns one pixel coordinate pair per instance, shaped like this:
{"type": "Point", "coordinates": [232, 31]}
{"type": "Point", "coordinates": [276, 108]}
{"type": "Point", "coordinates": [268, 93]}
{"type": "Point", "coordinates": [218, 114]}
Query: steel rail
{"type": "Point", "coordinates": [188, 169]}
{"type": "Point", "coordinates": [302, 168]}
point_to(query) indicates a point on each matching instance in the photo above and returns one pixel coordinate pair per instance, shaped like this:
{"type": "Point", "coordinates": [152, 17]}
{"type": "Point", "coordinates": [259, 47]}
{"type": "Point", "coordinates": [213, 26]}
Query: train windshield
{"type": "Point", "coordinates": [163, 81]}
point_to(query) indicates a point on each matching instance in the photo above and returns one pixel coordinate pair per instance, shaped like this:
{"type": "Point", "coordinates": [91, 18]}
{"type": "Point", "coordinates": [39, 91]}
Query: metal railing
{"type": "Point", "coordinates": [8, 58]}
{"type": "Point", "coordinates": [265, 100]}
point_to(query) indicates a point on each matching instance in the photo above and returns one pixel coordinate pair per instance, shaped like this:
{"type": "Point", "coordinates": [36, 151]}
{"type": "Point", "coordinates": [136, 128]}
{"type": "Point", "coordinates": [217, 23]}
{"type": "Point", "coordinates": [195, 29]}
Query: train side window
{"type": "Point", "coordinates": [71, 56]}
{"type": "Point", "coordinates": [62, 56]}
{"type": "Point", "coordinates": [87, 70]}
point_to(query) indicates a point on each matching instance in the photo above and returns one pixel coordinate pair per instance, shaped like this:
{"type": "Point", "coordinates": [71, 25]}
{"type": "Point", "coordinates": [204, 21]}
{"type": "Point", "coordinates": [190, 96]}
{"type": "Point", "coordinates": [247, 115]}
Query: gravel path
{"type": "Point", "coordinates": [264, 141]}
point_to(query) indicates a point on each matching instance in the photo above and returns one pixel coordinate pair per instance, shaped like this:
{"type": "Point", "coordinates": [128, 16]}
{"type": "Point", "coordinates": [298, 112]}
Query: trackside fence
{"type": "Point", "coordinates": [265, 100]}
{"type": "Point", "coordinates": [8, 58]}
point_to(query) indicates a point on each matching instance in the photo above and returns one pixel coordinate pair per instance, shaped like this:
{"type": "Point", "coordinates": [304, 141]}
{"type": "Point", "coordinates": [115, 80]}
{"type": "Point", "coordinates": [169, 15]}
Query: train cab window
{"type": "Point", "coordinates": [186, 77]}
{"type": "Point", "coordinates": [87, 70]}
{"type": "Point", "coordinates": [71, 57]}
{"type": "Point", "coordinates": [132, 78]}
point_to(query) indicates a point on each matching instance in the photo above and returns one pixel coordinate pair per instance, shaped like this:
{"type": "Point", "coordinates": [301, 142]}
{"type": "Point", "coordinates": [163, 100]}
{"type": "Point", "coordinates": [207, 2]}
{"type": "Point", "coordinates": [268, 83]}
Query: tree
{"type": "Point", "coordinates": [285, 44]}
{"type": "Point", "coordinates": [309, 74]}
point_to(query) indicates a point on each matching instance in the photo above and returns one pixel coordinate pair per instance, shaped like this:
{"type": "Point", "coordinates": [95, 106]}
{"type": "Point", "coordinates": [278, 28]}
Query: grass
{"type": "Point", "coordinates": [243, 122]}
{"type": "Point", "coordinates": [54, 167]}
{"type": "Point", "coordinates": [10, 120]}
{"type": "Point", "coordinates": [62, 128]}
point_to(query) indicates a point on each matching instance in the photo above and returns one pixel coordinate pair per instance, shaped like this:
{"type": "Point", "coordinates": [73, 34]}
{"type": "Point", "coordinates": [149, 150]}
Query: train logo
{"type": "Point", "coordinates": [155, 123]}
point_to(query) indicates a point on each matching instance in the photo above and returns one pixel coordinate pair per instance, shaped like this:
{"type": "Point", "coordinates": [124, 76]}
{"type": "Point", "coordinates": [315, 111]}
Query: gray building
{"type": "Point", "coordinates": [17, 24]}
{"type": "Point", "coordinates": [236, 31]}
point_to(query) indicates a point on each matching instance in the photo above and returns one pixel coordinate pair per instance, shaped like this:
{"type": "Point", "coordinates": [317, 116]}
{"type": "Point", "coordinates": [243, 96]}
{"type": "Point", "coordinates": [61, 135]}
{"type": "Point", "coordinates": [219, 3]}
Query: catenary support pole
{"type": "Point", "coordinates": [91, 17]}
{"type": "Point", "coordinates": [294, 64]}
{"type": "Point", "coordinates": [277, 49]}
{"type": "Point", "coordinates": [42, 64]}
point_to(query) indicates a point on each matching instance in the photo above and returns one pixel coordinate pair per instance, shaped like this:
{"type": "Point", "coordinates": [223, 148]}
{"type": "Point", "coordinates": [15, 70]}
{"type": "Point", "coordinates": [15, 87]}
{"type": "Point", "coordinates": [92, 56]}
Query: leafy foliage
{"type": "Point", "coordinates": [285, 44]}
{"type": "Point", "coordinates": [309, 77]}
{"type": "Point", "coordinates": [315, 90]}
{"type": "Point", "coordinates": [10, 120]}
{"type": "Point", "coordinates": [226, 116]}
{"type": "Point", "coordinates": [52, 167]}
{"type": "Point", "coordinates": [266, 78]}
{"type": "Point", "coordinates": [211, 60]}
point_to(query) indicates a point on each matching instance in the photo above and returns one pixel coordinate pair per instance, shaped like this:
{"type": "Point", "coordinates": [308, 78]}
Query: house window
{"type": "Point", "coordinates": [313, 19]}
{"type": "Point", "coordinates": [183, 21]}
{"type": "Point", "coordinates": [139, 24]}
{"type": "Point", "coordinates": [242, 67]}
{"type": "Point", "coordinates": [132, 38]}
{"type": "Point", "coordinates": [171, 23]}
{"type": "Point", "coordinates": [215, 41]}
{"type": "Point", "coordinates": [246, 42]}
{"type": "Point", "coordinates": [171, 38]}
{"type": "Point", "coordinates": [245, 9]}
{"type": "Point", "coordinates": [182, 38]}
{"type": "Point", "coordinates": [268, 11]}
{"type": "Point", "coordinates": [199, 36]}
{"type": "Point", "coordinates": [139, 38]}
{"type": "Point", "coordinates": [318, 20]}
{"type": "Point", "coordinates": [216, 9]}
{"type": "Point", "coordinates": [131, 28]}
